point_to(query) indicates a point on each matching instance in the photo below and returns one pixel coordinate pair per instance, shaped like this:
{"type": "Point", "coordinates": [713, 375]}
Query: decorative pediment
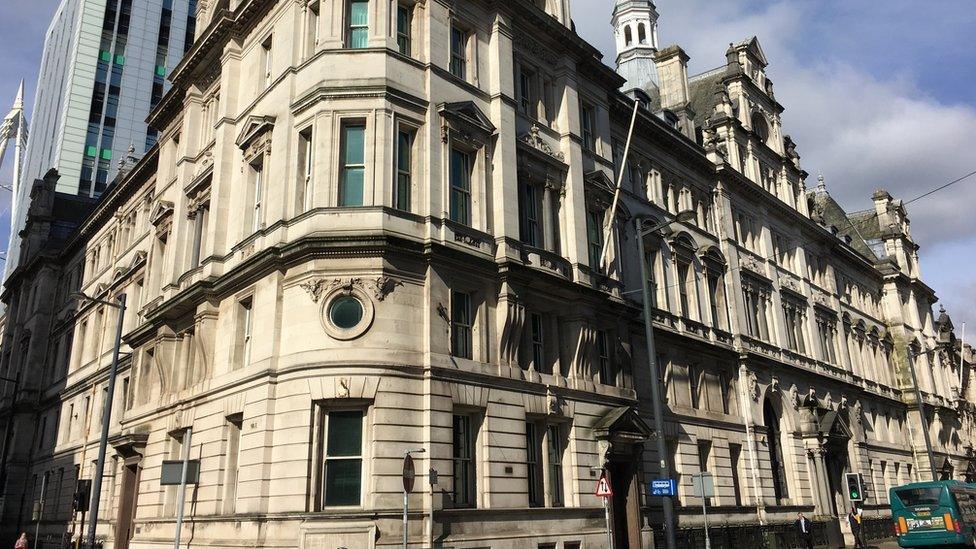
{"type": "Point", "coordinates": [533, 139]}
{"type": "Point", "coordinates": [255, 137]}
{"type": "Point", "coordinates": [622, 423]}
{"type": "Point", "coordinates": [161, 217]}
{"type": "Point", "coordinates": [464, 121]}
{"type": "Point", "coordinates": [832, 425]}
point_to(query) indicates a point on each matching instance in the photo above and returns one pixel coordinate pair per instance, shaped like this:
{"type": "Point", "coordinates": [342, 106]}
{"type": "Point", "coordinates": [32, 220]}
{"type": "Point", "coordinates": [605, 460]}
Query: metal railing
{"type": "Point", "coordinates": [752, 536]}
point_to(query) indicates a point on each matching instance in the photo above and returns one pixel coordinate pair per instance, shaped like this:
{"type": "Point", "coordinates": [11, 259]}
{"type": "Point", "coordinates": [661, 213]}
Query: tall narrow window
{"type": "Point", "coordinates": [459, 47]}
{"type": "Point", "coordinates": [603, 358]}
{"type": "Point", "coordinates": [357, 31]}
{"type": "Point", "coordinates": [538, 343]}
{"type": "Point", "coordinates": [246, 320]}
{"type": "Point", "coordinates": [306, 169]}
{"type": "Point", "coordinates": [343, 458]}
{"type": "Point", "coordinates": [530, 204]}
{"type": "Point", "coordinates": [594, 238]}
{"type": "Point", "coordinates": [404, 170]}
{"type": "Point", "coordinates": [461, 323]}
{"type": "Point", "coordinates": [404, 20]}
{"type": "Point", "coordinates": [232, 465]}
{"type": "Point", "coordinates": [463, 452]}
{"type": "Point", "coordinates": [533, 446]}
{"type": "Point", "coordinates": [460, 187]}
{"type": "Point", "coordinates": [775, 444]}
{"type": "Point", "coordinates": [651, 260]}
{"type": "Point", "coordinates": [735, 458]}
{"type": "Point", "coordinates": [257, 190]}
{"type": "Point", "coordinates": [685, 288]}
{"type": "Point", "coordinates": [266, 62]}
{"type": "Point", "coordinates": [527, 99]}
{"type": "Point", "coordinates": [353, 168]}
{"type": "Point", "coordinates": [587, 127]}
{"type": "Point", "coordinates": [199, 227]}
{"type": "Point", "coordinates": [554, 446]}
{"type": "Point", "coordinates": [311, 28]}
{"type": "Point", "coordinates": [694, 386]}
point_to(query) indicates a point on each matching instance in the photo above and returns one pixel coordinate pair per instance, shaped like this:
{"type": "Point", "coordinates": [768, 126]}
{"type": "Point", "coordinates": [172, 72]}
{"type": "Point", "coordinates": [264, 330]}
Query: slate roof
{"type": "Point", "coordinates": [860, 229]}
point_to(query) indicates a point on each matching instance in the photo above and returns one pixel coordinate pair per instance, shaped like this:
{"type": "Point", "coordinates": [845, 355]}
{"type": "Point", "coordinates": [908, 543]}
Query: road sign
{"type": "Point", "coordinates": [664, 487]}
{"type": "Point", "coordinates": [603, 489]}
{"type": "Point", "coordinates": [703, 485]}
{"type": "Point", "coordinates": [409, 474]}
{"type": "Point", "coordinates": [172, 472]}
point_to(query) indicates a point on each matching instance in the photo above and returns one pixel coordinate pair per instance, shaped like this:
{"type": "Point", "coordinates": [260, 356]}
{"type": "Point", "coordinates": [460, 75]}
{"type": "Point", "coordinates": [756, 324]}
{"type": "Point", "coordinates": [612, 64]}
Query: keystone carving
{"type": "Point", "coordinates": [379, 287]}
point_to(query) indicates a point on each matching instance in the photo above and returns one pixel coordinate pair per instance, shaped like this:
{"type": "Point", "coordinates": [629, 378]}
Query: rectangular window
{"type": "Point", "coordinates": [725, 386]}
{"type": "Point", "coordinates": [533, 446]}
{"type": "Point", "coordinates": [266, 62]}
{"type": "Point", "coordinates": [306, 164]}
{"type": "Point", "coordinates": [459, 47]}
{"type": "Point", "coordinates": [257, 190]}
{"type": "Point", "coordinates": [460, 187]}
{"type": "Point", "coordinates": [554, 444]}
{"type": "Point", "coordinates": [357, 31]}
{"type": "Point", "coordinates": [735, 458]}
{"type": "Point", "coordinates": [530, 204]}
{"type": "Point", "coordinates": [694, 386]}
{"type": "Point", "coordinates": [685, 287]}
{"type": "Point", "coordinates": [603, 358]}
{"type": "Point", "coordinates": [527, 99]}
{"type": "Point", "coordinates": [651, 260]}
{"type": "Point", "coordinates": [404, 170]}
{"type": "Point", "coordinates": [594, 238]}
{"type": "Point", "coordinates": [588, 127]}
{"type": "Point", "coordinates": [246, 326]}
{"type": "Point", "coordinates": [311, 28]}
{"type": "Point", "coordinates": [353, 169]}
{"type": "Point", "coordinates": [461, 324]}
{"type": "Point", "coordinates": [463, 452]}
{"type": "Point", "coordinates": [343, 458]}
{"type": "Point", "coordinates": [232, 465]}
{"type": "Point", "coordinates": [538, 343]}
{"type": "Point", "coordinates": [404, 21]}
{"type": "Point", "coordinates": [705, 457]}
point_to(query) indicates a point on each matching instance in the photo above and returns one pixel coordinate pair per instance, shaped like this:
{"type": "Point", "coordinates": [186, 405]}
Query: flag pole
{"type": "Point", "coordinates": [608, 225]}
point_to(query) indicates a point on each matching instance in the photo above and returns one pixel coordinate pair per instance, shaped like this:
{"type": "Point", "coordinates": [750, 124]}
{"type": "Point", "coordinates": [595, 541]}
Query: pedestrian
{"type": "Point", "coordinates": [21, 541]}
{"type": "Point", "coordinates": [804, 529]}
{"type": "Point", "coordinates": [854, 518]}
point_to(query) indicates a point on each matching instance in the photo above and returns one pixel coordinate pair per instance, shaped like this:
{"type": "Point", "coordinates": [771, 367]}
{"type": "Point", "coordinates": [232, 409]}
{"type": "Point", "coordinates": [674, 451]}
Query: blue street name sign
{"type": "Point", "coordinates": [664, 487]}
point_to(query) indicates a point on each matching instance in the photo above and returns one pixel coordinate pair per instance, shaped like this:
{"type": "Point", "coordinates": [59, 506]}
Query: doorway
{"type": "Point", "coordinates": [128, 500]}
{"type": "Point", "coordinates": [625, 504]}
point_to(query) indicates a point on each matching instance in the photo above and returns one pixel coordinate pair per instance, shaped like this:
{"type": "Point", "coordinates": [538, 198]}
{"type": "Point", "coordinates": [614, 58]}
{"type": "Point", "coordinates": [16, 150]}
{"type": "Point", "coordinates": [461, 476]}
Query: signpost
{"type": "Point", "coordinates": [409, 476]}
{"type": "Point", "coordinates": [703, 486]}
{"type": "Point", "coordinates": [603, 490]}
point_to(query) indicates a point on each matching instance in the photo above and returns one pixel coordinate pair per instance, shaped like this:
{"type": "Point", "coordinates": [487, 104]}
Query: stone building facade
{"type": "Point", "coordinates": [372, 227]}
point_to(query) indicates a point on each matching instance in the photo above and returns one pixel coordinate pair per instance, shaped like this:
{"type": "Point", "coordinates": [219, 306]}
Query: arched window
{"type": "Point", "coordinates": [773, 435]}
{"type": "Point", "coordinates": [641, 34]}
{"type": "Point", "coordinates": [628, 36]}
{"type": "Point", "coordinates": [760, 126]}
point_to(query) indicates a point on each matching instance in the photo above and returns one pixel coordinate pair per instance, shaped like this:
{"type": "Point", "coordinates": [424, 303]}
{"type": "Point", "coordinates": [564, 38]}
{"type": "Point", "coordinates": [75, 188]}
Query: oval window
{"type": "Point", "coordinates": [346, 312]}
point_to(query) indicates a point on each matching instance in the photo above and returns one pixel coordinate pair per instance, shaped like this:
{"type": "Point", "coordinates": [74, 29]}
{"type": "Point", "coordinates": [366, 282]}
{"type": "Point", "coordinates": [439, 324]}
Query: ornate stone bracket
{"type": "Point", "coordinates": [534, 140]}
{"type": "Point", "coordinates": [379, 287]}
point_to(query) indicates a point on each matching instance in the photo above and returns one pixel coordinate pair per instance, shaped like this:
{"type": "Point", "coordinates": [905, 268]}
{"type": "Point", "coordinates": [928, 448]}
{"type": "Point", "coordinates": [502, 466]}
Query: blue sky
{"type": "Point", "coordinates": [877, 94]}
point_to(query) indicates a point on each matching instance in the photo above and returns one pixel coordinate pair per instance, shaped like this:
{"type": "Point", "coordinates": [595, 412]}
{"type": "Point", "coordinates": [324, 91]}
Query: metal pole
{"type": "Point", "coordinates": [708, 541]}
{"type": "Point", "coordinates": [667, 504]}
{"type": "Point", "coordinates": [179, 505]}
{"type": "Point", "coordinates": [921, 412]}
{"type": "Point", "coordinates": [608, 230]}
{"type": "Point", "coordinates": [40, 511]}
{"type": "Point", "coordinates": [106, 422]}
{"type": "Point", "coordinates": [606, 510]}
{"type": "Point", "coordinates": [405, 503]}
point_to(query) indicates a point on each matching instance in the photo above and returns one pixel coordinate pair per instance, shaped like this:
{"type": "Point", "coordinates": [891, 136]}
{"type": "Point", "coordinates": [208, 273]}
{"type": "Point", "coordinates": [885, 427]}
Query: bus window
{"type": "Point", "coordinates": [911, 497]}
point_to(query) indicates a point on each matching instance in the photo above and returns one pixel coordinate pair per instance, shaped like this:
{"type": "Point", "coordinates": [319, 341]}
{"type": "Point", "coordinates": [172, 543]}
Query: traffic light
{"type": "Point", "coordinates": [82, 496]}
{"type": "Point", "coordinates": [855, 487]}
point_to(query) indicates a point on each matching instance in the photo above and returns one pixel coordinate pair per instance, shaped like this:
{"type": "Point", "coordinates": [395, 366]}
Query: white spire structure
{"type": "Point", "coordinates": [635, 31]}
{"type": "Point", "coordinates": [14, 128]}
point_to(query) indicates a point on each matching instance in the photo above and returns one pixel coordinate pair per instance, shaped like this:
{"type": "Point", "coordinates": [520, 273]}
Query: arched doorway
{"type": "Point", "coordinates": [774, 435]}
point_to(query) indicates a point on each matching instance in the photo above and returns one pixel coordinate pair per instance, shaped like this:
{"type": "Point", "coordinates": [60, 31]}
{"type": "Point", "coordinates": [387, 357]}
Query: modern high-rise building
{"type": "Point", "coordinates": [103, 69]}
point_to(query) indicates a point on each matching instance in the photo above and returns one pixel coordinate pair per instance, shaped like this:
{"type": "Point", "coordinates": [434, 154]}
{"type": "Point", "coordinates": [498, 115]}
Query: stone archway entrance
{"type": "Point", "coordinates": [827, 439]}
{"type": "Point", "coordinates": [623, 431]}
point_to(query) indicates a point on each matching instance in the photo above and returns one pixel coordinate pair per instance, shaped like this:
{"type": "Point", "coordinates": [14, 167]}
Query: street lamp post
{"type": "Point", "coordinates": [106, 413]}
{"type": "Point", "coordinates": [656, 402]}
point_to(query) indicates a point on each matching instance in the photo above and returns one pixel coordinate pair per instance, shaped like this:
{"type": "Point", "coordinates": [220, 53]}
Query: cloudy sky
{"type": "Point", "coordinates": [878, 94]}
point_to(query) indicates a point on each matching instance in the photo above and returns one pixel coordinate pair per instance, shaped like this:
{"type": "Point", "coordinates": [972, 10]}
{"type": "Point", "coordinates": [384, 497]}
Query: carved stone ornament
{"type": "Point", "coordinates": [857, 412]}
{"type": "Point", "coordinates": [379, 287]}
{"type": "Point", "coordinates": [753, 387]}
{"type": "Point", "coordinates": [467, 239]}
{"type": "Point", "coordinates": [534, 140]}
{"type": "Point", "coordinates": [752, 264]}
{"type": "Point", "coordinates": [774, 384]}
{"type": "Point", "coordinates": [794, 397]}
{"type": "Point", "coordinates": [527, 44]}
{"type": "Point", "coordinates": [553, 403]}
{"type": "Point", "coordinates": [343, 390]}
{"type": "Point", "coordinates": [829, 402]}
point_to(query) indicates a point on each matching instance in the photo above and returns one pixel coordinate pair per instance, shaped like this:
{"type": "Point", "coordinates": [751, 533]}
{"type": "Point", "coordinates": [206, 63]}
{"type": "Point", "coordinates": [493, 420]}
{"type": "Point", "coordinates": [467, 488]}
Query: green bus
{"type": "Point", "coordinates": [927, 514]}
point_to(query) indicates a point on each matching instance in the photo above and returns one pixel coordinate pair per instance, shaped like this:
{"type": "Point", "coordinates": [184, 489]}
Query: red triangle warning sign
{"type": "Point", "coordinates": [603, 488]}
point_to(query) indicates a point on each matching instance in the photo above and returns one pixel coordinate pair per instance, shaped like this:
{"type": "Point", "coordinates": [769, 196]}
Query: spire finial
{"type": "Point", "coordinates": [19, 101]}
{"type": "Point", "coordinates": [820, 181]}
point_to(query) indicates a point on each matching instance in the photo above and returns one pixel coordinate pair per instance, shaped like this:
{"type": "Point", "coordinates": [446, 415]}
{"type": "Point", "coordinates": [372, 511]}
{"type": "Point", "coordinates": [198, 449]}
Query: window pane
{"type": "Point", "coordinates": [343, 482]}
{"type": "Point", "coordinates": [351, 192]}
{"type": "Point", "coordinates": [354, 140]}
{"type": "Point", "coordinates": [358, 12]}
{"type": "Point", "coordinates": [345, 434]}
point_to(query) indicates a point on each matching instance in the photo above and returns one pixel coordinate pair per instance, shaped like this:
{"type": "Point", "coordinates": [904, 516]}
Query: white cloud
{"type": "Point", "coordinates": [862, 130]}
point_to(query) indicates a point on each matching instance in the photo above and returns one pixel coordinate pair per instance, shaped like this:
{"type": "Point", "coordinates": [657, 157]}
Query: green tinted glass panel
{"type": "Point", "coordinates": [160, 70]}
{"type": "Point", "coordinates": [346, 312]}
{"type": "Point", "coordinates": [91, 150]}
{"type": "Point", "coordinates": [358, 12]}
{"type": "Point", "coordinates": [343, 479]}
{"type": "Point", "coordinates": [354, 142]}
{"type": "Point", "coordinates": [106, 154]}
{"type": "Point", "coordinates": [351, 192]}
{"type": "Point", "coordinates": [105, 56]}
{"type": "Point", "coordinates": [345, 434]}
